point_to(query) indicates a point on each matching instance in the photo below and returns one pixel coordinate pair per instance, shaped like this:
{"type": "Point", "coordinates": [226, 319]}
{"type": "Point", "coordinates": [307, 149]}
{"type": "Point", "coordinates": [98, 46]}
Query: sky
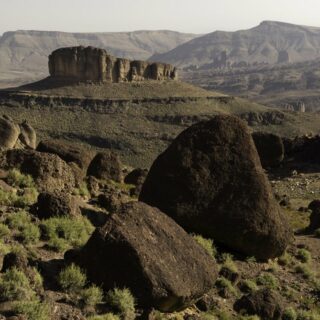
{"type": "Point", "coordinates": [195, 16]}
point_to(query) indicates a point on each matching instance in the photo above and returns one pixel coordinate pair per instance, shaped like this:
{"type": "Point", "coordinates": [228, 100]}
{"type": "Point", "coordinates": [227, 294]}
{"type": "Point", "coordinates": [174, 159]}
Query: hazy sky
{"type": "Point", "coordinates": [198, 16]}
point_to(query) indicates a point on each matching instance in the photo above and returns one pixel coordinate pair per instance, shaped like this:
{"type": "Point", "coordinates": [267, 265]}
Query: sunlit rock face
{"type": "Point", "coordinates": [94, 64]}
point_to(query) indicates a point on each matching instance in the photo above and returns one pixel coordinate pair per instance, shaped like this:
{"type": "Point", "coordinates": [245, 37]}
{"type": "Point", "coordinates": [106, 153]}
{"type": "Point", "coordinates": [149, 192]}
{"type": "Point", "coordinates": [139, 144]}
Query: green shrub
{"type": "Point", "coordinates": [58, 244]}
{"type": "Point", "coordinates": [223, 283]}
{"type": "Point", "coordinates": [92, 296]}
{"type": "Point", "coordinates": [64, 232]}
{"type": "Point", "coordinates": [251, 259]}
{"type": "Point", "coordinates": [273, 266]}
{"type": "Point", "coordinates": [21, 200]}
{"type": "Point", "coordinates": [18, 220]}
{"type": "Point", "coordinates": [207, 244]}
{"type": "Point", "coordinates": [207, 316]}
{"type": "Point", "coordinates": [228, 263]}
{"type": "Point", "coordinates": [308, 315]}
{"type": "Point", "coordinates": [107, 316]}
{"type": "Point", "coordinates": [27, 198]}
{"type": "Point", "coordinates": [4, 230]}
{"type": "Point", "coordinates": [289, 314]}
{"type": "Point", "coordinates": [285, 259]}
{"type": "Point", "coordinates": [82, 191]}
{"type": "Point", "coordinates": [248, 286]}
{"type": "Point", "coordinates": [268, 280]}
{"type": "Point", "coordinates": [304, 255]}
{"type": "Point", "coordinates": [123, 301]}
{"type": "Point", "coordinates": [7, 198]}
{"type": "Point", "coordinates": [30, 233]}
{"type": "Point", "coordinates": [304, 270]}
{"type": "Point", "coordinates": [72, 279]}
{"type": "Point", "coordinates": [33, 310]}
{"type": "Point", "coordinates": [37, 280]}
{"type": "Point", "coordinates": [4, 249]}
{"type": "Point", "coordinates": [17, 179]}
{"type": "Point", "coordinates": [14, 285]}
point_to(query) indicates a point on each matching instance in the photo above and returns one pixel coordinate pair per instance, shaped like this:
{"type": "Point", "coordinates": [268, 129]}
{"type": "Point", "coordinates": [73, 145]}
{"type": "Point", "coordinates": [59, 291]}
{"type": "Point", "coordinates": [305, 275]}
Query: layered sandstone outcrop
{"type": "Point", "coordinates": [94, 64]}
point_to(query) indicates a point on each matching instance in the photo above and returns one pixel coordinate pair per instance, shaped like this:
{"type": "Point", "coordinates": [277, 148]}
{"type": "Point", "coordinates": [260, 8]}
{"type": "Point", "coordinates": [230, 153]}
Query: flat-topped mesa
{"type": "Point", "coordinates": [94, 64]}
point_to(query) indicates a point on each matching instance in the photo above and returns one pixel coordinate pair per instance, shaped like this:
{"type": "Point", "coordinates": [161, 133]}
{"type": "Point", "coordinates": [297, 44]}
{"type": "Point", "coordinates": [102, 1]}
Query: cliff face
{"type": "Point", "coordinates": [93, 64]}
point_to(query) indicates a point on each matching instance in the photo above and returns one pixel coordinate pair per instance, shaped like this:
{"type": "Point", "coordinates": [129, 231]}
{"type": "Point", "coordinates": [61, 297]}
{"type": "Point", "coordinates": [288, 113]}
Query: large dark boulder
{"type": "Point", "coordinates": [79, 158]}
{"type": "Point", "coordinates": [49, 171]}
{"type": "Point", "coordinates": [270, 148]}
{"type": "Point", "coordinates": [144, 250]}
{"type": "Point", "coordinates": [265, 303]}
{"type": "Point", "coordinates": [106, 165]}
{"type": "Point", "coordinates": [55, 204]}
{"type": "Point", "coordinates": [211, 182]}
{"type": "Point", "coordinates": [303, 149]}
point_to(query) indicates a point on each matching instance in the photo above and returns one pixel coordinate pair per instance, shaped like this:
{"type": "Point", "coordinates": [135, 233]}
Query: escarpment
{"type": "Point", "coordinates": [94, 64]}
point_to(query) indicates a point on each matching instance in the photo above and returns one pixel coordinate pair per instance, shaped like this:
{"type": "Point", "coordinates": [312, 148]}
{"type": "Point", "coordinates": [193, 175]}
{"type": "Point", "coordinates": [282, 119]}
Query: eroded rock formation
{"type": "Point", "coordinates": [94, 64]}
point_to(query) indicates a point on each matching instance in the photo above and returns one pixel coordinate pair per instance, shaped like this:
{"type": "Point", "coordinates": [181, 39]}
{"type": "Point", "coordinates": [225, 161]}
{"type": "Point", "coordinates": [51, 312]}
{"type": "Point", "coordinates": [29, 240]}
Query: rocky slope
{"type": "Point", "coordinates": [57, 243]}
{"type": "Point", "coordinates": [271, 42]}
{"type": "Point", "coordinates": [138, 120]}
{"type": "Point", "coordinates": [23, 54]}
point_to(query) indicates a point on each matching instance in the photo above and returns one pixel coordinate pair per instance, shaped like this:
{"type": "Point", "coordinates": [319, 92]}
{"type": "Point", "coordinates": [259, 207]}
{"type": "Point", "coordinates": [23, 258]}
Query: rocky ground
{"type": "Point", "coordinates": [53, 198]}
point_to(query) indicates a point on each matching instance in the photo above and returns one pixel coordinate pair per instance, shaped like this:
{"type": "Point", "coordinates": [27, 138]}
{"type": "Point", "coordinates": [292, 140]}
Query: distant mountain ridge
{"type": "Point", "coordinates": [270, 42]}
{"type": "Point", "coordinates": [24, 54]}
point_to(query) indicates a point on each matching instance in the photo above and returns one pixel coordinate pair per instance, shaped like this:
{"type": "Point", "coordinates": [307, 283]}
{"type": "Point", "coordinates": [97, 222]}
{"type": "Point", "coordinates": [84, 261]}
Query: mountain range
{"type": "Point", "coordinates": [24, 54]}
{"type": "Point", "coordinates": [268, 43]}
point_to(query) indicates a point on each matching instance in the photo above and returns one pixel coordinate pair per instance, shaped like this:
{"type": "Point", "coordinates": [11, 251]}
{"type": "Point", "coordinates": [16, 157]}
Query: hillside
{"type": "Point", "coordinates": [137, 120]}
{"type": "Point", "coordinates": [275, 85]}
{"type": "Point", "coordinates": [23, 54]}
{"type": "Point", "coordinates": [270, 42]}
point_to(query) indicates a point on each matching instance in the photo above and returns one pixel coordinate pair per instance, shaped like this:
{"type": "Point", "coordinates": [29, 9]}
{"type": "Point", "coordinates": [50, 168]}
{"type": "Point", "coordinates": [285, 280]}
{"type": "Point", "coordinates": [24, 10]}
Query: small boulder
{"type": "Point", "coordinates": [136, 177]}
{"type": "Point", "coordinates": [106, 165]}
{"type": "Point", "coordinates": [28, 136]}
{"type": "Point", "coordinates": [210, 181]}
{"type": "Point", "coordinates": [265, 303]}
{"type": "Point", "coordinates": [314, 206]}
{"type": "Point", "coordinates": [55, 204]}
{"type": "Point", "coordinates": [144, 250]}
{"type": "Point", "coordinates": [49, 171]}
{"type": "Point", "coordinates": [93, 186]}
{"type": "Point", "coordinates": [110, 202]}
{"type": "Point", "coordinates": [78, 158]}
{"type": "Point", "coordinates": [270, 148]}
{"type": "Point", "coordinates": [9, 133]}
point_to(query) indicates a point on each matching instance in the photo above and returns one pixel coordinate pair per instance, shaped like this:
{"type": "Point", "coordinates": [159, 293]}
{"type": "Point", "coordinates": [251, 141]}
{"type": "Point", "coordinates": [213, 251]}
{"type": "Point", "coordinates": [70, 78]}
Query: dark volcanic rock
{"type": "Point", "coordinates": [265, 303]}
{"type": "Point", "coordinates": [67, 152]}
{"type": "Point", "coordinates": [49, 171]}
{"type": "Point", "coordinates": [136, 177]}
{"type": "Point", "coordinates": [144, 250]}
{"type": "Point", "coordinates": [270, 148]}
{"type": "Point", "coordinates": [211, 182]}
{"type": "Point", "coordinates": [314, 206]}
{"type": "Point", "coordinates": [106, 165]}
{"type": "Point", "coordinates": [303, 149]}
{"type": "Point", "coordinates": [55, 204]}
{"type": "Point", "coordinates": [70, 154]}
